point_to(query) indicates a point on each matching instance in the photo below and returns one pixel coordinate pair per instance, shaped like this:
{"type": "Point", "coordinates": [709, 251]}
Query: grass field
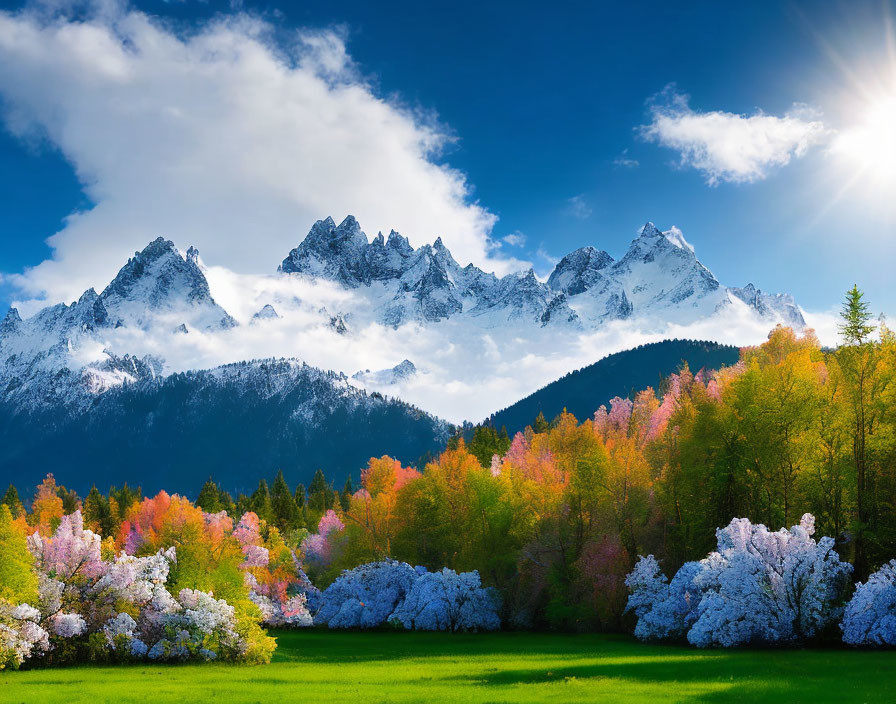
{"type": "Point", "coordinates": [329, 667]}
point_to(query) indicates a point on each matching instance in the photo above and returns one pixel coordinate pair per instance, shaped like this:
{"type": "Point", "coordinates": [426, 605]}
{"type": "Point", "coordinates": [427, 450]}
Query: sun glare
{"type": "Point", "coordinates": [869, 146]}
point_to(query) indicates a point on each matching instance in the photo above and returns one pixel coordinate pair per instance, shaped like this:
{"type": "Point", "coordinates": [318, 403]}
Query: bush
{"type": "Point", "coordinates": [366, 596]}
{"type": "Point", "coordinates": [448, 601]}
{"type": "Point", "coordinates": [870, 616]}
{"type": "Point", "coordinates": [759, 587]}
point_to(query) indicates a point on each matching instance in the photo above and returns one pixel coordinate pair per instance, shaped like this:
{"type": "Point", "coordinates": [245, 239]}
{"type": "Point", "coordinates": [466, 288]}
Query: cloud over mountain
{"type": "Point", "coordinates": [223, 136]}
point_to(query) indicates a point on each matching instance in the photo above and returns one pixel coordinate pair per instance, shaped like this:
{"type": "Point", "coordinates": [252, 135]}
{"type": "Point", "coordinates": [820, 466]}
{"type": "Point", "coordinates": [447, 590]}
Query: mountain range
{"type": "Point", "coordinates": [85, 384]}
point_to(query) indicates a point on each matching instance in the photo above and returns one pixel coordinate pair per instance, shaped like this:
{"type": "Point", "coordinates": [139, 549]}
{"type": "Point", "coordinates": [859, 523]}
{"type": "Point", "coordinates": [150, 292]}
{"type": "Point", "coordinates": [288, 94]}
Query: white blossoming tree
{"type": "Point", "coordinates": [870, 616]}
{"type": "Point", "coordinates": [759, 587]}
{"type": "Point", "coordinates": [366, 596]}
{"type": "Point", "coordinates": [448, 601]}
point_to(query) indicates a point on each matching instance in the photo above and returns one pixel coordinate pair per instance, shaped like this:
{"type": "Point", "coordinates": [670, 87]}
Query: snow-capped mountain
{"type": "Point", "coordinates": [402, 371]}
{"type": "Point", "coordinates": [423, 285]}
{"type": "Point", "coordinates": [658, 279]}
{"type": "Point", "coordinates": [482, 341]}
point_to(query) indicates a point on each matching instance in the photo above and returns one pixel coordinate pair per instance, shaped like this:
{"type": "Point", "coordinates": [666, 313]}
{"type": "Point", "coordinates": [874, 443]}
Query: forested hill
{"type": "Point", "coordinates": [238, 423]}
{"type": "Point", "coordinates": [581, 392]}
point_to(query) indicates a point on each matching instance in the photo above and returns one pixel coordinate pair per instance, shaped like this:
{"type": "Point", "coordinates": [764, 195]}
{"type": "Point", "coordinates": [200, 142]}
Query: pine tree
{"type": "Point", "coordinates": [286, 513]}
{"type": "Point", "coordinates": [345, 498]}
{"type": "Point", "coordinates": [98, 513]}
{"type": "Point", "coordinates": [18, 582]}
{"type": "Point", "coordinates": [858, 362]}
{"type": "Point", "coordinates": [541, 424]}
{"type": "Point", "coordinates": [71, 502]}
{"type": "Point", "coordinates": [300, 496]}
{"type": "Point", "coordinates": [228, 505]}
{"type": "Point", "coordinates": [260, 501]}
{"type": "Point", "coordinates": [856, 316]}
{"type": "Point", "coordinates": [320, 495]}
{"type": "Point", "coordinates": [11, 499]}
{"type": "Point", "coordinates": [124, 498]}
{"type": "Point", "coordinates": [209, 499]}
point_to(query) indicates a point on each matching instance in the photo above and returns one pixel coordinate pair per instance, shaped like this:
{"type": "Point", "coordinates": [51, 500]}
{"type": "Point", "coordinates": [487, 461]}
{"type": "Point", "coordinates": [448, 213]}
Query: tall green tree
{"type": "Point", "coordinates": [209, 499]}
{"type": "Point", "coordinates": [260, 501]}
{"type": "Point", "coordinates": [98, 513]}
{"type": "Point", "coordinates": [12, 500]}
{"type": "Point", "coordinates": [283, 503]}
{"type": "Point", "coordinates": [320, 493]}
{"type": "Point", "coordinates": [345, 497]}
{"type": "Point", "coordinates": [857, 360]}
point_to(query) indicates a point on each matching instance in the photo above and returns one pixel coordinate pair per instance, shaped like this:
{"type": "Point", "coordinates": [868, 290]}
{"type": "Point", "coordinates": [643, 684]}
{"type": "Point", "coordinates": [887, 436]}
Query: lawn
{"type": "Point", "coordinates": [330, 667]}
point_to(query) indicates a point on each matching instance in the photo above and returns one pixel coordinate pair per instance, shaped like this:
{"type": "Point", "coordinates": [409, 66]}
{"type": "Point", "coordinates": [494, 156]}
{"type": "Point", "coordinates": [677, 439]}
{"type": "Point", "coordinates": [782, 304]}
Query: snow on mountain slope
{"type": "Point", "coordinates": [340, 301]}
{"type": "Point", "coordinates": [658, 280]}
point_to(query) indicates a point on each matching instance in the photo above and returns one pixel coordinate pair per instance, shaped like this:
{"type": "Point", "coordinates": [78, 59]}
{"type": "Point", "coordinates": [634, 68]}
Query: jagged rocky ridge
{"type": "Point", "coordinates": [659, 278]}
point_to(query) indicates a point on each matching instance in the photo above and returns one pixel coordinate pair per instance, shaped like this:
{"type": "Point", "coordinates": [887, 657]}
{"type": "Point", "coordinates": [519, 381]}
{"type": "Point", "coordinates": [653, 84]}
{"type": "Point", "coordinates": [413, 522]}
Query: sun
{"type": "Point", "coordinates": [869, 146]}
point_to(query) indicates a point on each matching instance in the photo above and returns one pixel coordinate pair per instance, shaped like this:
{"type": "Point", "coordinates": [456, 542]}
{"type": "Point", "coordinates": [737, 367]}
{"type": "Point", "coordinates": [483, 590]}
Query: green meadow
{"type": "Point", "coordinates": [326, 667]}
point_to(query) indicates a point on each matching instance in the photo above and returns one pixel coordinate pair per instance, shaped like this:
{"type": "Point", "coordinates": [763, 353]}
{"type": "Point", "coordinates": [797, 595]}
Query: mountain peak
{"type": "Point", "coordinates": [11, 322]}
{"type": "Point", "coordinates": [648, 229]}
{"type": "Point", "coordinates": [159, 279]}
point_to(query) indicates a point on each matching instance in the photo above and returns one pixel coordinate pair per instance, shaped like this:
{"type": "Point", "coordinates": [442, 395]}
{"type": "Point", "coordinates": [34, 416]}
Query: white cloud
{"type": "Point", "coordinates": [221, 138]}
{"type": "Point", "coordinates": [578, 208]}
{"type": "Point", "coordinates": [625, 161]}
{"type": "Point", "coordinates": [515, 239]}
{"type": "Point", "coordinates": [730, 147]}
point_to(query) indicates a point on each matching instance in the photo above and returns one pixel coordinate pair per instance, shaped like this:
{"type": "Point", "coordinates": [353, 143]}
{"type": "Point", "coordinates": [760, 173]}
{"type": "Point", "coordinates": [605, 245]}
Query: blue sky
{"type": "Point", "coordinates": [545, 106]}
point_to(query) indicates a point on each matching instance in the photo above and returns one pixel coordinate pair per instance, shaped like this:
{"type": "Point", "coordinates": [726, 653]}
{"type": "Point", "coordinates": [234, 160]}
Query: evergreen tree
{"type": "Point", "coordinates": [856, 315]}
{"type": "Point", "coordinates": [124, 498]}
{"type": "Point", "coordinates": [345, 498]}
{"type": "Point", "coordinates": [859, 362]}
{"type": "Point", "coordinates": [12, 500]}
{"type": "Point", "coordinates": [487, 442]}
{"type": "Point", "coordinates": [243, 504]}
{"type": "Point", "coordinates": [71, 502]}
{"type": "Point", "coordinates": [98, 513]}
{"type": "Point", "coordinates": [286, 513]}
{"type": "Point", "coordinates": [228, 505]}
{"type": "Point", "coordinates": [300, 496]}
{"type": "Point", "coordinates": [320, 495]}
{"type": "Point", "coordinates": [541, 424]}
{"type": "Point", "coordinates": [18, 582]}
{"type": "Point", "coordinates": [209, 499]}
{"type": "Point", "coordinates": [260, 501]}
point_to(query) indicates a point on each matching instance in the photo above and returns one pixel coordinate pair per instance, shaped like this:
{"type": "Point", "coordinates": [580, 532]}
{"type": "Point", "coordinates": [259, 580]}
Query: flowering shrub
{"type": "Point", "coordinates": [277, 583]}
{"type": "Point", "coordinates": [366, 596]}
{"type": "Point", "coordinates": [759, 587]}
{"type": "Point", "coordinates": [448, 601]}
{"type": "Point", "coordinates": [21, 635]}
{"type": "Point", "coordinates": [870, 616]}
{"type": "Point", "coordinates": [665, 610]}
{"type": "Point", "coordinates": [91, 605]}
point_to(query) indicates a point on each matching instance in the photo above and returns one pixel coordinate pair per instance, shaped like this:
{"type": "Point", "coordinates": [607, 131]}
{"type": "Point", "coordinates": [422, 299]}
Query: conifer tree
{"type": "Point", "coordinates": [71, 502]}
{"type": "Point", "coordinates": [320, 495]}
{"type": "Point", "coordinates": [98, 513]}
{"type": "Point", "coordinates": [12, 500]}
{"type": "Point", "coordinates": [286, 513]}
{"type": "Point", "coordinates": [209, 499]}
{"type": "Point", "coordinates": [541, 424]}
{"type": "Point", "coordinates": [124, 498]}
{"type": "Point", "coordinates": [856, 316]}
{"type": "Point", "coordinates": [260, 501]}
{"type": "Point", "coordinates": [300, 496]}
{"type": "Point", "coordinates": [345, 498]}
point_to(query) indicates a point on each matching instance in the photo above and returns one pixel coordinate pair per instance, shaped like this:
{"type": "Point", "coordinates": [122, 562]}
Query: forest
{"type": "Point", "coordinates": [542, 530]}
